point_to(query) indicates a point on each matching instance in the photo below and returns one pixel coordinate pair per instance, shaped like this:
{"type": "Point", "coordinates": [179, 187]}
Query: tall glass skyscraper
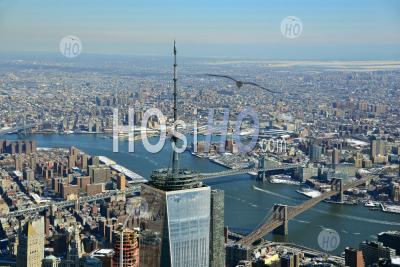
{"type": "Point", "coordinates": [176, 226]}
{"type": "Point", "coordinates": [188, 213]}
{"type": "Point", "coordinates": [179, 223]}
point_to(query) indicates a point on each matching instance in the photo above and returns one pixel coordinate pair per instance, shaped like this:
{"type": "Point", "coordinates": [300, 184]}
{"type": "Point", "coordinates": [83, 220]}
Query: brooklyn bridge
{"type": "Point", "coordinates": [277, 222]}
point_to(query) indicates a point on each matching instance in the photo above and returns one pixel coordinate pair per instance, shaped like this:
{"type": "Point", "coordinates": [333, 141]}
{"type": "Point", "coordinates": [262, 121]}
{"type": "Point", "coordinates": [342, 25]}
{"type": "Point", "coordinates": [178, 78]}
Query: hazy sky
{"type": "Point", "coordinates": [340, 29]}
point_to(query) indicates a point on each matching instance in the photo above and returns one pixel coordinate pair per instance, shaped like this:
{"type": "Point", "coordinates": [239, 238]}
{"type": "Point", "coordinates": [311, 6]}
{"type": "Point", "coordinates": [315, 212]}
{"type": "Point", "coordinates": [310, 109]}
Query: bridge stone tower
{"type": "Point", "coordinates": [337, 185]}
{"type": "Point", "coordinates": [281, 213]}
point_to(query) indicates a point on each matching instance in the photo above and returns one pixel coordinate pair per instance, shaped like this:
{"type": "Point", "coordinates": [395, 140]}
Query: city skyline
{"type": "Point", "coordinates": [283, 119]}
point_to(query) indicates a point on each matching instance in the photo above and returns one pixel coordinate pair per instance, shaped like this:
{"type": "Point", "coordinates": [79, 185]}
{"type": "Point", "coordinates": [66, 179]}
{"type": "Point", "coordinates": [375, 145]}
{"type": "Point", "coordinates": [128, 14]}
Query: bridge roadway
{"type": "Point", "coordinates": [272, 222]}
{"type": "Point", "coordinates": [212, 175]}
{"type": "Point", "coordinates": [69, 203]}
{"type": "Point", "coordinates": [136, 189]}
{"type": "Point", "coordinates": [18, 128]}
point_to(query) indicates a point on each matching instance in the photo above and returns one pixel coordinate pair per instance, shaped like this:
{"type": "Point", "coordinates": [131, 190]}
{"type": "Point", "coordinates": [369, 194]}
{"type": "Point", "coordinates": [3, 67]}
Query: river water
{"type": "Point", "coordinates": [245, 208]}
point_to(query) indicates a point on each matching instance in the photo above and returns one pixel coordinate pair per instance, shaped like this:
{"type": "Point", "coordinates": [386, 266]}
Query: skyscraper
{"type": "Point", "coordinates": [18, 162]}
{"type": "Point", "coordinates": [335, 156]}
{"type": "Point", "coordinates": [121, 182]}
{"type": "Point", "coordinates": [31, 244]}
{"type": "Point", "coordinates": [378, 148]}
{"type": "Point", "coordinates": [129, 249]}
{"type": "Point", "coordinates": [217, 239]}
{"type": "Point", "coordinates": [316, 152]}
{"type": "Point", "coordinates": [373, 251]}
{"type": "Point", "coordinates": [178, 218]}
{"type": "Point", "coordinates": [75, 249]}
{"type": "Point", "coordinates": [390, 239]}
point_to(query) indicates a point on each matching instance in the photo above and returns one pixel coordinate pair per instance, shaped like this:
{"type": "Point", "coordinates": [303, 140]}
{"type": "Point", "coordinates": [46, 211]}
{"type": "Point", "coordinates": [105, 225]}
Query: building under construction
{"type": "Point", "coordinates": [129, 250]}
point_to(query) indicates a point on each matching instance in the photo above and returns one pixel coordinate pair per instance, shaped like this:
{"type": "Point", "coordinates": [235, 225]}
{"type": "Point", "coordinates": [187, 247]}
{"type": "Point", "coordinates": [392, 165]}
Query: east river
{"type": "Point", "coordinates": [245, 208]}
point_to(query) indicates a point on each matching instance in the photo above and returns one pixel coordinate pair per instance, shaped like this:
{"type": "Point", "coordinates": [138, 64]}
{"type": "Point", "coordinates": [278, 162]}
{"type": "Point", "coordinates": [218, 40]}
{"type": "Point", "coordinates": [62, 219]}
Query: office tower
{"type": "Point", "coordinates": [28, 174]}
{"type": "Point", "coordinates": [12, 148]}
{"type": "Point", "coordinates": [60, 244]}
{"type": "Point", "coordinates": [373, 251]}
{"type": "Point", "coordinates": [56, 184]}
{"type": "Point", "coordinates": [27, 147]}
{"type": "Point", "coordinates": [149, 246]}
{"type": "Point", "coordinates": [33, 161]}
{"type": "Point", "coordinates": [108, 233]}
{"type": "Point", "coordinates": [217, 239]}
{"type": "Point", "coordinates": [93, 189]}
{"type": "Point", "coordinates": [358, 160]}
{"type": "Point", "coordinates": [71, 161]}
{"type": "Point", "coordinates": [390, 239]}
{"type": "Point", "coordinates": [138, 117]}
{"type": "Point", "coordinates": [84, 162]}
{"type": "Point", "coordinates": [73, 151]}
{"type": "Point", "coordinates": [97, 127]}
{"type": "Point", "coordinates": [94, 160]}
{"type": "Point", "coordinates": [90, 243]}
{"type": "Point", "coordinates": [363, 105]}
{"type": "Point", "coordinates": [83, 181]}
{"type": "Point", "coordinates": [99, 174]}
{"type": "Point", "coordinates": [75, 250]}
{"type": "Point", "coordinates": [47, 173]}
{"type": "Point", "coordinates": [47, 223]}
{"type": "Point", "coordinates": [69, 191]}
{"type": "Point", "coordinates": [90, 126]}
{"type": "Point", "coordinates": [121, 182]}
{"type": "Point", "coordinates": [31, 244]}
{"type": "Point", "coordinates": [18, 162]}
{"type": "Point", "coordinates": [178, 214]}
{"type": "Point", "coordinates": [33, 146]}
{"type": "Point", "coordinates": [335, 156]}
{"type": "Point", "coordinates": [129, 249]}
{"type": "Point", "coordinates": [290, 260]}
{"type": "Point", "coordinates": [354, 257]}
{"type": "Point", "coordinates": [316, 152]}
{"type": "Point", "coordinates": [77, 241]}
{"type": "Point", "coordinates": [378, 148]}
{"type": "Point", "coordinates": [180, 227]}
{"type": "Point", "coordinates": [236, 253]}
{"type": "Point", "coordinates": [20, 146]}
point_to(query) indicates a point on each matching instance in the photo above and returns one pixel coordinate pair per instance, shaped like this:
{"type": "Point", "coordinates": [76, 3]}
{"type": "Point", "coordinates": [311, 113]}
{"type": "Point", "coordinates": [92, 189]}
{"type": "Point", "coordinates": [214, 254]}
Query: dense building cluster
{"type": "Point", "coordinates": [63, 207]}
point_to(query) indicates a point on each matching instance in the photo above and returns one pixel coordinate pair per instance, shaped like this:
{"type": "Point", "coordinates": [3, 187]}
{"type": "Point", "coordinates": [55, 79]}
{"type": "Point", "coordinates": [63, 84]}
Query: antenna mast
{"type": "Point", "coordinates": [175, 163]}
